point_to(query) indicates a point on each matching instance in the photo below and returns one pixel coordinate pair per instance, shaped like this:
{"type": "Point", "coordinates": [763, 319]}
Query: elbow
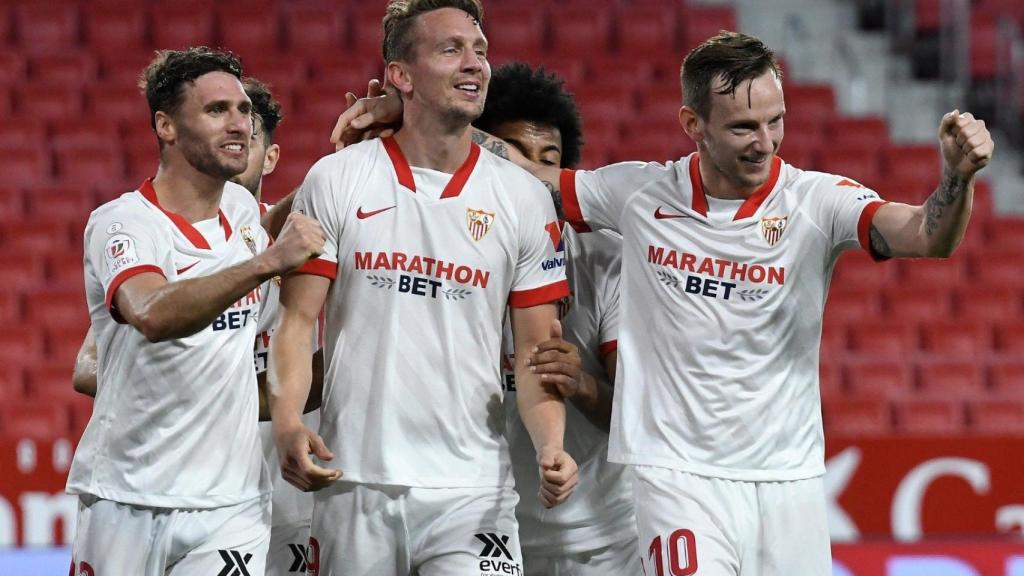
{"type": "Point", "coordinates": [154, 329]}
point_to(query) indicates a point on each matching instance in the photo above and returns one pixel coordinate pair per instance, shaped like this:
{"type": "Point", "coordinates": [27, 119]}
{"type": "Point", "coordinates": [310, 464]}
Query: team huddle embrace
{"type": "Point", "coordinates": [449, 351]}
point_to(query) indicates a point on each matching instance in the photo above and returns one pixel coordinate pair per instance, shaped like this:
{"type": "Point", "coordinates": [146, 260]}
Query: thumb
{"type": "Point", "coordinates": [317, 446]}
{"type": "Point", "coordinates": [556, 329]}
{"type": "Point", "coordinates": [949, 121]}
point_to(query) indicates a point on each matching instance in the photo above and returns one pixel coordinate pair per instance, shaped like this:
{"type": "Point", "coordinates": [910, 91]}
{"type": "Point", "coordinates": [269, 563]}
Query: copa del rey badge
{"type": "Point", "coordinates": [772, 228]}
{"type": "Point", "coordinates": [479, 222]}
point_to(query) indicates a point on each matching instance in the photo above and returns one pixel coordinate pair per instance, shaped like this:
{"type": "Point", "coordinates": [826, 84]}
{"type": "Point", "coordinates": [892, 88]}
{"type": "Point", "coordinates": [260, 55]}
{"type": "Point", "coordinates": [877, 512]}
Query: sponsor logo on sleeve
{"type": "Point", "coordinates": [120, 253]}
{"type": "Point", "coordinates": [479, 222]}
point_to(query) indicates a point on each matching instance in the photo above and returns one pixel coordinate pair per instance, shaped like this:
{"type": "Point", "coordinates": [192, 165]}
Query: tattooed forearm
{"type": "Point", "coordinates": [556, 197]}
{"type": "Point", "coordinates": [879, 247]}
{"type": "Point", "coordinates": [491, 144]}
{"type": "Point", "coordinates": [950, 190]}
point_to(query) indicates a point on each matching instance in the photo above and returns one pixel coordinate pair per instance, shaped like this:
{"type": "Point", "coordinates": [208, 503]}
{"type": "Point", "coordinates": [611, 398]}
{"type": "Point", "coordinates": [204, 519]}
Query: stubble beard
{"type": "Point", "coordinates": [204, 158]}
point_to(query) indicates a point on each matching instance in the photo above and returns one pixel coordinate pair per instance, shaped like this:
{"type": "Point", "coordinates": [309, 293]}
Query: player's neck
{"type": "Point", "coordinates": [718, 185]}
{"type": "Point", "coordinates": [427, 144]}
{"type": "Point", "coordinates": [188, 192]}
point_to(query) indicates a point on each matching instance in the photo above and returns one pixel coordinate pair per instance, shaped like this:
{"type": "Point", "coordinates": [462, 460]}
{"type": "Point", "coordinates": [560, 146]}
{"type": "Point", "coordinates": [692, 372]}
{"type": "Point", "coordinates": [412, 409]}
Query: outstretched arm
{"type": "Point", "coordinates": [936, 228]}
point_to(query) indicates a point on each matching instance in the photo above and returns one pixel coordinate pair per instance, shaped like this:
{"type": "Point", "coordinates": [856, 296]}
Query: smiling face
{"type": "Point", "coordinates": [742, 133]}
{"type": "Point", "coordinates": [448, 73]}
{"type": "Point", "coordinates": [213, 127]}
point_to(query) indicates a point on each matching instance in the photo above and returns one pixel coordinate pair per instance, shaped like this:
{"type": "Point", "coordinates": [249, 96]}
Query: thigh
{"type": "Point", "coordinates": [228, 540]}
{"type": "Point", "coordinates": [539, 564]}
{"type": "Point", "coordinates": [115, 538]}
{"type": "Point", "coordinates": [289, 549]}
{"type": "Point", "coordinates": [794, 528]}
{"type": "Point", "coordinates": [686, 522]}
{"type": "Point", "coordinates": [358, 530]}
{"type": "Point", "coordinates": [619, 559]}
{"type": "Point", "coordinates": [471, 532]}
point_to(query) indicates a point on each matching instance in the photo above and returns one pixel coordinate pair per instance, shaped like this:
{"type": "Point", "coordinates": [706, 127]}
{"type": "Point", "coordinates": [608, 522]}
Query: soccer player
{"type": "Point", "coordinates": [727, 256]}
{"type": "Point", "coordinates": [594, 533]}
{"type": "Point", "coordinates": [169, 471]}
{"type": "Point", "coordinates": [429, 238]}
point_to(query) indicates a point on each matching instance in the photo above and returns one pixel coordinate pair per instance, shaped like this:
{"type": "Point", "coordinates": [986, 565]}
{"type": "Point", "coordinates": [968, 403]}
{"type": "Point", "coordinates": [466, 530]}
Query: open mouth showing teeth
{"type": "Point", "coordinates": [471, 88]}
{"type": "Point", "coordinates": [234, 147]}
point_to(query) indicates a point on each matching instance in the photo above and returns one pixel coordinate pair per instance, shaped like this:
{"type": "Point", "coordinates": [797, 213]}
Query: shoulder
{"type": "Point", "coordinates": [823, 185]}
{"type": "Point", "coordinates": [129, 208]}
{"type": "Point", "coordinates": [524, 187]}
{"type": "Point", "coordinates": [340, 165]}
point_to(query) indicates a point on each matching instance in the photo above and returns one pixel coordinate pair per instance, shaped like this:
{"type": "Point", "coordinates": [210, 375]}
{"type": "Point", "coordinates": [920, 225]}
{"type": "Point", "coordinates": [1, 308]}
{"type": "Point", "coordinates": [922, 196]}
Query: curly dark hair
{"type": "Point", "coordinates": [402, 14]}
{"type": "Point", "coordinates": [264, 106]}
{"type": "Point", "coordinates": [164, 79]}
{"type": "Point", "coordinates": [734, 57]}
{"type": "Point", "coordinates": [518, 92]}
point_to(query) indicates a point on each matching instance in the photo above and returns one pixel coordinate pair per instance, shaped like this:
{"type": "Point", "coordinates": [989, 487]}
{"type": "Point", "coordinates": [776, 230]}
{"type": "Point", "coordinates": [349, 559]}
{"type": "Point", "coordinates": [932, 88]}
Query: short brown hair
{"type": "Point", "coordinates": [401, 15]}
{"type": "Point", "coordinates": [734, 57]}
{"type": "Point", "coordinates": [164, 79]}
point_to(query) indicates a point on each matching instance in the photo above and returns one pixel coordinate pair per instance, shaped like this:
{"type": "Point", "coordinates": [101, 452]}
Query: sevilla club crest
{"type": "Point", "coordinates": [773, 227]}
{"type": "Point", "coordinates": [479, 222]}
{"type": "Point", "coordinates": [250, 240]}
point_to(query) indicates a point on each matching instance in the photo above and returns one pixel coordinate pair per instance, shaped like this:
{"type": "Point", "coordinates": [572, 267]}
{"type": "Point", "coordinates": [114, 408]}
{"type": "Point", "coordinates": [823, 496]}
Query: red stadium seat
{"type": "Point", "coordinates": [21, 344]}
{"type": "Point", "coordinates": [26, 166]}
{"type": "Point", "coordinates": [10, 306]}
{"type": "Point", "coordinates": [52, 382]}
{"type": "Point", "coordinates": [984, 47]}
{"type": "Point", "coordinates": [857, 417]}
{"type": "Point", "coordinates": [303, 138]}
{"type": "Point", "coordinates": [35, 238]}
{"type": "Point", "coordinates": [930, 272]}
{"type": "Point", "coordinates": [573, 27]}
{"type": "Point", "coordinates": [366, 32]}
{"type": "Point", "coordinates": [12, 203]}
{"type": "Point", "coordinates": [114, 104]}
{"type": "Point", "coordinates": [39, 420]}
{"type": "Point", "coordinates": [833, 341]}
{"type": "Point", "coordinates": [856, 269]}
{"type": "Point", "coordinates": [21, 274]}
{"type": "Point", "coordinates": [1007, 377]}
{"type": "Point", "coordinates": [617, 73]}
{"type": "Point", "coordinates": [944, 378]}
{"type": "Point", "coordinates": [813, 103]}
{"type": "Point", "coordinates": [883, 339]}
{"type": "Point", "coordinates": [1009, 337]}
{"type": "Point", "coordinates": [316, 30]}
{"type": "Point", "coordinates": [864, 133]}
{"type": "Point", "coordinates": [831, 382]}
{"type": "Point", "coordinates": [572, 71]}
{"type": "Point", "coordinates": [82, 134]}
{"type": "Point", "coordinates": [12, 383]}
{"type": "Point", "coordinates": [991, 304]}
{"type": "Point", "coordinates": [41, 101]}
{"type": "Point", "coordinates": [873, 378]}
{"type": "Point", "coordinates": [115, 28]}
{"type": "Point", "coordinates": [998, 266]}
{"type": "Point", "coordinates": [13, 68]}
{"type": "Point", "coordinates": [997, 417]}
{"type": "Point", "coordinates": [63, 344]}
{"type": "Point", "coordinates": [58, 308]}
{"type": "Point", "coordinates": [520, 34]}
{"type": "Point", "coordinates": [920, 162]}
{"type": "Point", "coordinates": [123, 69]}
{"type": "Point", "coordinates": [281, 73]}
{"type": "Point", "coordinates": [1006, 233]}
{"type": "Point", "coordinates": [98, 166]}
{"type": "Point", "coordinates": [643, 30]}
{"type": "Point", "coordinates": [5, 25]}
{"type": "Point", "coordinates": [703, 22]}
{"type": "Point", "coordinates": [652, 147]}
{"type": "Point", "coordinates": [331, 74]}
{"type": "Point", "coordinates": [60, 203]}
{"type": "Point", "coordinates": [21, 134]}
{"type": "Point", "coordinates": [248, 32]}
{"type": "Point", "coordinates": [180, 26]}
{"type": "Point", "coordinates": [63, 269]}
{"type": "Point", "coordinates": [932, 417]}
{"type": "Point", "coordinates": [927, 15]}
{"type": "Point", "coordinates": [47, 26]}
{"type": "Point", "coordinates": [960, 339]}
{"type": "Point", "coordinates": [659, 104]}
{"type": "Point", "coordinates": [6, 101]}
{"type": "Point", "coordinates": [65, 71]}
{"type": "Point", "coordinates": [982, 209]}
{"type": "Point", "coordinates": [847, 304]}
{"type": "Point", "coordinates": [861, 165]}
{"type": "Point", "coordinates": [917, 303]}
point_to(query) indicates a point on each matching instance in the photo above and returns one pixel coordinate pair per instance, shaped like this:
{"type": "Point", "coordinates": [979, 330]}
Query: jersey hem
{"type": "Point", "coordinates": [164, 501]}
{"type": "Point", "coordinates": [540, 295]}
{"type": "Point", "coordinates": [431, 482]}
{"type": "Point", "coordinates": [738, 474]}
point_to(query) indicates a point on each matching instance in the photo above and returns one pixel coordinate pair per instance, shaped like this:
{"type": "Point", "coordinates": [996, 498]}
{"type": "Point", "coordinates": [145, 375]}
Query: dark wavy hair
{"type": "Point", "coordinates": [518, 92]}
{"type": "Point", "coordinates": [163, 81]}
{"type": "Point", "coordinates": [265, 106]}
{"type": "Point", "coordinates": [734, 57]}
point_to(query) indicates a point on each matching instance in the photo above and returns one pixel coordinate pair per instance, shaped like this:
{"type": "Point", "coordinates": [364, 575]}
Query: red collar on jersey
{"type": "Point", "coordinates": [749, 206]}
{"type": "Point", "coordinates": [185, 226]}
{"type": "Point", "coordinates": [404, 172]}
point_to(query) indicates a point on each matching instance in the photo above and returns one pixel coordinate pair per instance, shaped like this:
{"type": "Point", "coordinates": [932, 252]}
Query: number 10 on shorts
{"type": "Point", "coordinates": [680, 549]}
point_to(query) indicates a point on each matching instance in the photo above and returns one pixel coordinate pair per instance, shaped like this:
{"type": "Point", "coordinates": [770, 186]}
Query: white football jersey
{"type": "Point", "coordinates": [174, 423]}
{"type": "Point", "coordinates": [600, 511]}
{"type": "Point", "coordinates": [718, 351]}
{"type": "Point", "coordinates": [423, 267]}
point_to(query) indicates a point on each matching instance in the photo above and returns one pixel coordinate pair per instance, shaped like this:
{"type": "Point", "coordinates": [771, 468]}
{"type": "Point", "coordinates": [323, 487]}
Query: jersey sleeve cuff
{"type": "Point", "coordinates": [319, 267]}
{"type": "Point", "coordinates": [120, 279]}
{"type": "Point", "coordinates": [570, 202]}
{"type": "Point", "coordinates": [864, 228]}
{"type": "Point", "coordinates": [540, 295]}
{"type": "Point", "coordinates": [607, 348]}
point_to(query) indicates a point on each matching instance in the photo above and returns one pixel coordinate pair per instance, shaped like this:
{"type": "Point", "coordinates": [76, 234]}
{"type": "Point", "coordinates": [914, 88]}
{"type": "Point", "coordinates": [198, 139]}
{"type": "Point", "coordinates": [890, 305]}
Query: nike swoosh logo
{"type": "Point", "coordinates": [364, 215]}
{"type": "Point", "coordinates": [181, 271]}
{"type": "Point", "coordinates": [662, 216]}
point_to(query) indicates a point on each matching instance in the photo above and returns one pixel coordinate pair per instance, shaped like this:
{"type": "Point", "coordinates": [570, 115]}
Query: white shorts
{"type": "Point", "coordinates": [289, 549]}
{"type": "Point", "coordinates": [619, 559]}
{"type": "Point", "coordinates": [114, 538]}
{"type": "Point", "coordinates": [730, 528]}
{"type": "Point", "coordinates": [377, 530]}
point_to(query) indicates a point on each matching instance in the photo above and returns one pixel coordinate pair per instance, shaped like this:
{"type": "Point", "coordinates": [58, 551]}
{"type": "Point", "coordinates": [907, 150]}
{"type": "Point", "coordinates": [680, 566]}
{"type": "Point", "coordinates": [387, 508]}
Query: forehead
{"type": "Point", "coordinates": [760, 96]}
{"type": "Point", "coordinates": [437, 25]}
{"type": "Point", "coordinates": [525, 131]}
{"type": "Point", "coordinates": [214, 86]}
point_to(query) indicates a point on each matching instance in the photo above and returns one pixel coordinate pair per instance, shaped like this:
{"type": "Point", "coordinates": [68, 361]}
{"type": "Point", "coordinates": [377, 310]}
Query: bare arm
{"type": "Point", "coordinates": [302, 296]}
{"type": "Point", "coordinates": [315, 388]}
{"type": "Point", "coordinates": [936, 228]}
{"type": "Point", "coordinates": [558, 362]}
{"type": "Point", "coordinates": [541, 406]}
{"type": "Point", "coordinates": [164, 310]}
{"type": "Point", "coordinates": [84, 377]}
{"type": "Point", "coordinates": [274, 219]}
